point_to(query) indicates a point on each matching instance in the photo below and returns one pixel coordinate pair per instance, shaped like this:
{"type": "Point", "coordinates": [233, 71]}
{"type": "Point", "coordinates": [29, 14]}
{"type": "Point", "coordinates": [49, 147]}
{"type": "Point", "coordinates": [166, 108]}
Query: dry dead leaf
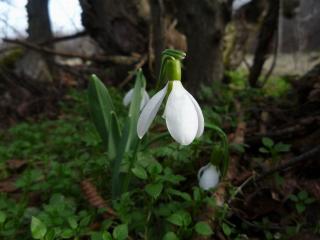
{"type": "Point", "coordinates": [16, 164]}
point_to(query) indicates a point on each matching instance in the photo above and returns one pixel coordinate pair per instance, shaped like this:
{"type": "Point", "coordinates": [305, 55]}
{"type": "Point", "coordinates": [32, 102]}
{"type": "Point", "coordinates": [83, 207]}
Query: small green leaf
{"type": "Point", "coordinates": [154, 168]}
{"type": "Point", "coordinates": [293, 198]}
{"type": "Point", "coordinates": [183, 195]}
{"type": "Point", "coordinates": [268, 142]}
{"type": "Point", "coordinates": [50, 235]}
{"type": "Point", "coordinates": [263, 150]}
{"type": "Point", "coordinates": [303, 195]}
{"type": "Point", "coordinates": [139, 172]}
{"type": "Point", "coordinates": [72, 222]}
{"type": "Point", "coordinates": [309, 201]}
{"type": "Point", "coordinates": [120, 232]}
{"type": "Point", "coordinates": [101, 236]}
{"type": "Point", "coordinates": [203, 228]}
{"type": "Point", "coordinates": [85, 221]}
{"type": "Point", "coordinates": [3, 217]}
{"type": "Point", "coordinates": [281, 147]}
{"type": "Point", "coordinates": [180, 219]}
{"type": "Point", "coordinates": [226, 229]}
{"type": "Point", "coordinates": [67, 233]}
{"type": "Point", "coordinates": [38, 228]}
{"type": "Point", "coordinates": [300, 207]}
{"type": "Point", "coordinates": [106, 236]}
{"type": "Point", "coordinates": [170, 236]}
{"type": "Point", "coordinates": [154, 189]}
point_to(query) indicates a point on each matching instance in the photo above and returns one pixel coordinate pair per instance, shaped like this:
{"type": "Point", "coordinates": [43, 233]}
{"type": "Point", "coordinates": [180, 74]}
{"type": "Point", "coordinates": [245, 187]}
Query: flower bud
{"type": "Point", "coordinates": [208, 177]}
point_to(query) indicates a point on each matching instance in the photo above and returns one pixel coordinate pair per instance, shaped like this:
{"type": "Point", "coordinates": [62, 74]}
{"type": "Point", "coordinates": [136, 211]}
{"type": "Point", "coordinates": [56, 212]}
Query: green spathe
{"type": "Point", "coordinates": [173, 70]}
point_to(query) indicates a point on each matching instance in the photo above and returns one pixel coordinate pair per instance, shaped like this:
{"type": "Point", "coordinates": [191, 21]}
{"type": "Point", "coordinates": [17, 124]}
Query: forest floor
{"type": "Point", "coordinates": [57, 170]}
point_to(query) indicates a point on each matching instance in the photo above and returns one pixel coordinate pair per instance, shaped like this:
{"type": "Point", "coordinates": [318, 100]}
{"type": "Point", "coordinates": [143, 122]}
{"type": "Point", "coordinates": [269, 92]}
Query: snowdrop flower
{"type": "Point", "coordinates": [208, 177]}
{"type": "Point", "coordinates": [237, 4]}
{"type": "Point", "coordinates": [183, 115]}
{"type": "Point", "coordinates": [128, 98]}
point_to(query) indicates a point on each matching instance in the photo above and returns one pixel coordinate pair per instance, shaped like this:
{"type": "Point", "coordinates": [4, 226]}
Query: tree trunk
{"type": "Point", "coordinates": [266, 34]}
{"type": "Point", "coordinates": [34, 65]}
{"type": "Point", "coordinates": [118, 26]}
{"type": "Point", "coordinates": [203, 22]}
{"type": "Point", "coordinates": [158, 31]}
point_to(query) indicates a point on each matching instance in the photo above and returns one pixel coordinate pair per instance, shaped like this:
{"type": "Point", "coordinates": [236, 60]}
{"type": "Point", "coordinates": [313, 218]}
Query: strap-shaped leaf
{"type": "Point", "coordinates": [134, 110]}
{"type": "Point", "coordinates": [101, 106]}
{"type": "Point", "coordinates": [129, 138]}
{"type": "Point", "coordinates": [114, 136]}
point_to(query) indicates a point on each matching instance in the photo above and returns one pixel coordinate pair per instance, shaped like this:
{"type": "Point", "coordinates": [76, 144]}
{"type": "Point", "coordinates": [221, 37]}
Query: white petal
{"type": "Point", "coordinates": [145, 99]}
{"type": "Point", "coordinates": [127, 98]}
{"type": "Point", "coordinates": [149, 112]}
{"type": "Point", "coordinates": [199, 114]}
{"type": "Point", "coordinates": [181, 115]}
{"type": "Point", "coordinates": [208, 177]}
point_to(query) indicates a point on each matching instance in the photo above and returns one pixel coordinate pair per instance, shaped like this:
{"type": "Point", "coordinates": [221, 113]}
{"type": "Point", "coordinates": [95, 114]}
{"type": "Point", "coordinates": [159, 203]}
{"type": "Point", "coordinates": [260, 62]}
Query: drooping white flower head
{"type": "Point", "coordinates": [237, 4]}
{"type": "Point", "coordinates": [128, 98]}
{"type": "Point", "coordinates": [208, 177]}
{"type": "Point", "coordinates": [184, 118]}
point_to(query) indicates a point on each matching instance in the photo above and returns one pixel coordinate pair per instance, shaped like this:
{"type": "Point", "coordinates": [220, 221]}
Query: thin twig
{"type": "Point", "coordinates": [132, 73]}
{"type": "Point", "coordinates": [239, 189]}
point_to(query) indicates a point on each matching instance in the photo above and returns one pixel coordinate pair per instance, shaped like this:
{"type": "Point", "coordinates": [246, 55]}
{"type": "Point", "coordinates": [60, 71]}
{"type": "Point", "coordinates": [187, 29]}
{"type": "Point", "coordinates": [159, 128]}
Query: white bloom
{"type": "Point", "coordinates": [208, 177]}
{"type": "Point", "coordinates": [128, 98]}
{"type": "Point", "coordinates": [237, 4]}
{"type": "Point", "coordinates": [183, 115]}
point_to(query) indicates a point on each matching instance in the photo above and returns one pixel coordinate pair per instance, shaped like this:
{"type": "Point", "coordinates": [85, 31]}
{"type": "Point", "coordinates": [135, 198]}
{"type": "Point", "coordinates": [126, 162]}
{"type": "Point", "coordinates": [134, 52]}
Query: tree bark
{"type": "Point", "coordinates": [34, 65]}
{"type": "Point", "coordinates": [158, 31]}
{"type": "Point", "coordinates": [268, 29]}
{"type": "Point", "coordinates": [203, 22]}
{"type": "Point", "coordinates": [118, 26]}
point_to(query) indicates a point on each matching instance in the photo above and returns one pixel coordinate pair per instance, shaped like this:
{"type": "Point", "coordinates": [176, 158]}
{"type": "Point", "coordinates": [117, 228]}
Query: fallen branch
{"type": "Point", "coordinates": [289, 132]}
{"type": "Point", "coordinates": [122, 60]}
{"type": "Point", "coordinates": [290, 163]}
{"type": "Point", "coordinates": [65, 38]}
